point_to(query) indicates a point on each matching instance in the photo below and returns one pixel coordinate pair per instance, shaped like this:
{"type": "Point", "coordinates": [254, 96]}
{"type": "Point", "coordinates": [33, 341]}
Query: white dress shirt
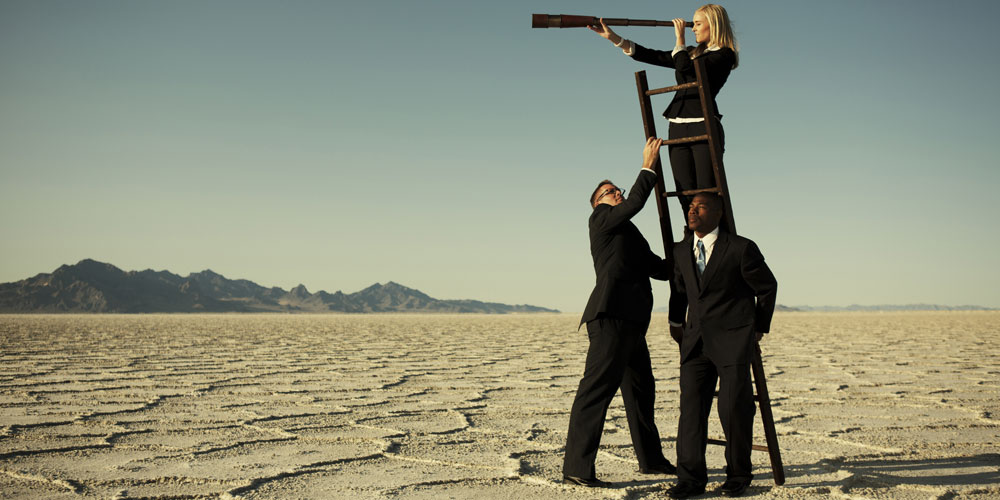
{"type": "Point", "coordinates": [709, 242]}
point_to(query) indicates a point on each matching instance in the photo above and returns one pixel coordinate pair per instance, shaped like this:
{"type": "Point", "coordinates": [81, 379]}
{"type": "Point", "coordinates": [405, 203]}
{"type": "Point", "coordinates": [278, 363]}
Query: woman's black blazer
{"type": "Point", "coordinates": [686, 103]}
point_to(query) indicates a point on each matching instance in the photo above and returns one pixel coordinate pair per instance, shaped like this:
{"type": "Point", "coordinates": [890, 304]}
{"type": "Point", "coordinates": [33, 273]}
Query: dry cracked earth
{"type": "Point", "coordinates": [867, 405]}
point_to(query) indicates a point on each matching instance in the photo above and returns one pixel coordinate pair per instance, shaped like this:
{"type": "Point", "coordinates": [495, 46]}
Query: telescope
{"type": "Point", "coordinates": [568, 21]}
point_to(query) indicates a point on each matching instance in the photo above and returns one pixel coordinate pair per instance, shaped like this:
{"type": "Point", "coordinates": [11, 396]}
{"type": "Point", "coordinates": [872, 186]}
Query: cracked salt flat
{"type": "Point", "coordinates": [412, 406]}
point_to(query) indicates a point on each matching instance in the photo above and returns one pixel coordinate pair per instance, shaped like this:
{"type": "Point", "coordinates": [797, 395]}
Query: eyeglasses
{"type": "Point", "coordinates": [611, 191]}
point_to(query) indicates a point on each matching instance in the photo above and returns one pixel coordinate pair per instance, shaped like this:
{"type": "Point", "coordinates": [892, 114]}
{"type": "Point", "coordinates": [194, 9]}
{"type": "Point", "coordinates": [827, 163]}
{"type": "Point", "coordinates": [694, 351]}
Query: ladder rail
{"type": "Point", "coordinates": [649, 129]}
{"type": "Point", "coordinates": [714, 147]}
{"type": "Point", "coordinates": [766, 417]}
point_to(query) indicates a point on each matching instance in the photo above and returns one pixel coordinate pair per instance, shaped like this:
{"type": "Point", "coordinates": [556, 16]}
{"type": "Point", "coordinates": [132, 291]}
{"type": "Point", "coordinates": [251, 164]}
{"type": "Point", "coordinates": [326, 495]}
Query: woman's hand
{"type": "Point", "coordinates": [606, 32]}
{"type": "Point", "coordinates": [679, 26]}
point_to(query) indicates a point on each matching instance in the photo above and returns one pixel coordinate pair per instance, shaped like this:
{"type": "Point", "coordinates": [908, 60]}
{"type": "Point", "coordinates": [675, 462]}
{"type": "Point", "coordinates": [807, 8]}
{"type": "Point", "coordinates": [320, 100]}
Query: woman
{"type": "Point", "coordinates": [691, 163]}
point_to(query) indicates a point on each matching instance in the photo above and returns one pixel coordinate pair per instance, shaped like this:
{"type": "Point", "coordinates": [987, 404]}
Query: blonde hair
{"type": "Point", "coordinates": [720, 31]}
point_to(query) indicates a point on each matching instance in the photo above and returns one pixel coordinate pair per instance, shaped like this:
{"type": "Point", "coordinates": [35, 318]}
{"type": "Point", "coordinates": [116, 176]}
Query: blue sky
{"type": "Point", "coordinates": [449, 147]}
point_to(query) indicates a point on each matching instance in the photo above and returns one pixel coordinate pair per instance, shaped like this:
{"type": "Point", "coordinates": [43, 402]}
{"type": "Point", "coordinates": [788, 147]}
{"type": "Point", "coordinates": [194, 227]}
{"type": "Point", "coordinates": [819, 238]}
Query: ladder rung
{"type": "Point", "coordinates": [675, 88]}
{"type": "Point", "coordinates": [684, 140]}
{"type": "Point", "coordinates": [756, 447]}
{"type": "Point", "coordinates": [691, 192]}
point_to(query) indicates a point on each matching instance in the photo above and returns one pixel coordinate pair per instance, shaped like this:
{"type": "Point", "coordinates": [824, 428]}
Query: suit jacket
{"type": "Point", "coordinates": [687, 103]}
{"type": "Point", "coordinates": [734, 298]}
{"type": "Point", "coordinates": [623, 261]}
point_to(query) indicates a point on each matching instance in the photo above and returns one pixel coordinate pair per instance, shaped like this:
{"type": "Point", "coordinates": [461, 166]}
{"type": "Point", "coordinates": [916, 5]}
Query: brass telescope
{"type": "Point", "coordinates": [568, 21]}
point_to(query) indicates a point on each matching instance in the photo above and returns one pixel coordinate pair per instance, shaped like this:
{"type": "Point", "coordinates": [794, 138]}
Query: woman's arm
{"type": "Point", "coordinates": [662, 57]}
{"type": "Point", "coordinates": [715, 61]}
{"type": "Point", "coordinates": [655, 57]}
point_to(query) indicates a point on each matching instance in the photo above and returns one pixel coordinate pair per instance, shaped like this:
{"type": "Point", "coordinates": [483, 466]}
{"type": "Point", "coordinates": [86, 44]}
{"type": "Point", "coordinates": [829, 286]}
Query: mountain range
{"type": "Point", "coordinates": [875, 308]}
{"type": "Point", "coordinates": [97, 287]}
{"type": "Point", "coordinates": [891, 307]}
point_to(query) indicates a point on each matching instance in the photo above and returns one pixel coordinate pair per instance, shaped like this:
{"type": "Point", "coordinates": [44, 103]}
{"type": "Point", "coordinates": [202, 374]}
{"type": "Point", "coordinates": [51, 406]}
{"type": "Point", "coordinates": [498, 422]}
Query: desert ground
{"type": "Point", "coordinates": [867, 405]}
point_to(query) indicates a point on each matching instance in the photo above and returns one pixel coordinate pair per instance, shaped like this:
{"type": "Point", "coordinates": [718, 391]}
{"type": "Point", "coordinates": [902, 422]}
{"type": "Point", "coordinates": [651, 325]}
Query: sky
{"type": "Point", "coordinates": [449, 147]}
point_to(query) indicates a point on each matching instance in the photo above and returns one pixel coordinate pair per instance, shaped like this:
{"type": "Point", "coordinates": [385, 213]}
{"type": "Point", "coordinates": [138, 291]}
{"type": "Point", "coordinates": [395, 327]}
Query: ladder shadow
{"type": "Point", "coordinates": [982, 469]}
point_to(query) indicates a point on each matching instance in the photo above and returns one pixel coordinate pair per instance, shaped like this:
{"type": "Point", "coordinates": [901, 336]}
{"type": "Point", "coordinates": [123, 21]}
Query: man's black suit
{"type": "Point", "coordinates": [725, 306]}
{"type": "Point", "coordinates": [617, 316]}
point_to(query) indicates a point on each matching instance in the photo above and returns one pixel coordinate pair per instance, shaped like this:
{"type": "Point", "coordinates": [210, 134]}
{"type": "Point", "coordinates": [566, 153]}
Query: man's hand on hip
{"type": "Point", "coordinates": [677, 333]}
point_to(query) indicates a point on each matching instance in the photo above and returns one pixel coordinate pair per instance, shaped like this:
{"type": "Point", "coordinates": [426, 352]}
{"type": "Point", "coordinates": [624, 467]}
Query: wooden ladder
{"type": "Point", "coordinates": [722, 188]}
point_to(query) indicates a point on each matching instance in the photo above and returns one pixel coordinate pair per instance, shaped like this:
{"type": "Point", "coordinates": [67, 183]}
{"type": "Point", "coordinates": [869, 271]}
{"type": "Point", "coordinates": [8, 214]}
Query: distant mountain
{"type": "Point", "coordinates": [910, 307]}
{"type": "Point", "coordinates": [91, 286]}
{"type": "Point", "coordinates": [784, 308]}
{"type": "Point", "coordinates": [891, 307]}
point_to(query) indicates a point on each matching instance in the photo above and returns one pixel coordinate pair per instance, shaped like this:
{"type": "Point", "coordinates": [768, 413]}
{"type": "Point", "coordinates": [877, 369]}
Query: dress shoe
{"type": "Point", "coordinates": [685, 489]}
{"type": "Point", "coordinates": [664, 468]}
{"type": "Point", "coordinates": [590, 482]}
{"type": "Point", "coordinates": [733, 487]}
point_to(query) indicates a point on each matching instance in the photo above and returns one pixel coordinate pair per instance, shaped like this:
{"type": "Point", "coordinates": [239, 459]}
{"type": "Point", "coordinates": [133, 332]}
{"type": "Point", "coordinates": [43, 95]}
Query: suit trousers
{"type": "Point", "coordinates": [618, 357]}
{"type": "Point", "coordinates": [736, 411]}
{"type": "Point", "coordinates": [691, 163]}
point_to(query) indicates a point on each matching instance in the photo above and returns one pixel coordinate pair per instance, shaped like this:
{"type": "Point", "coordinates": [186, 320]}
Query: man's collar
{"type": "Point", "coordinates": [708, 239]}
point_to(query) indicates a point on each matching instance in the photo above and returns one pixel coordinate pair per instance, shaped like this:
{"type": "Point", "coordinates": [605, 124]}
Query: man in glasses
{"type": "Point", "coordinates": [617, 316]}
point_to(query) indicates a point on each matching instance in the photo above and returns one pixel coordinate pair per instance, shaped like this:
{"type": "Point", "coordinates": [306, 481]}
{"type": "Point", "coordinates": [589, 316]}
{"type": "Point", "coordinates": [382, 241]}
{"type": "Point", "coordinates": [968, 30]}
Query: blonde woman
{"type": "Point", "coordinates": [691, 163]}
